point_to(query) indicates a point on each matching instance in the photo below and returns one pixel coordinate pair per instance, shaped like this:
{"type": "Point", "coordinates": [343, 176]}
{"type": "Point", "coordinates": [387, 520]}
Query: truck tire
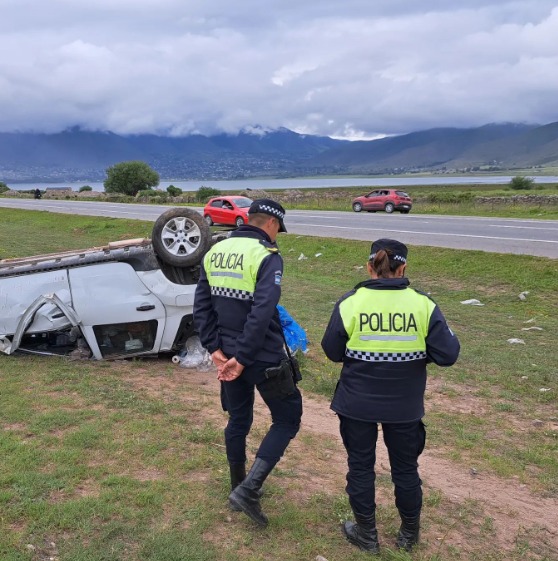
{"type": "Point", "coordinates": [181, 237]}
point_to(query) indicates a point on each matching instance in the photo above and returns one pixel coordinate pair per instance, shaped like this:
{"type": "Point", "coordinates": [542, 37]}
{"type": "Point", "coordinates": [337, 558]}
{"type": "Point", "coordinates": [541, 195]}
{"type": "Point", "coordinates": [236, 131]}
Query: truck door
{"type": "Point", "coordinates": [118, 313]}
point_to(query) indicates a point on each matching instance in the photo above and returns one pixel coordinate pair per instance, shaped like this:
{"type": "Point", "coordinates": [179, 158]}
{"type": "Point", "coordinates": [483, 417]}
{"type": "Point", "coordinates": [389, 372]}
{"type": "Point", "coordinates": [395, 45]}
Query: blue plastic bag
{"type": "Point", "coordinates": [294, 334]}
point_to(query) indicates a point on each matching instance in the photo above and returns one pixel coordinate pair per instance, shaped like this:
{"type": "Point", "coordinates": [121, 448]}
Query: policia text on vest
{"type": "Point", "coordinates": [388, 322]}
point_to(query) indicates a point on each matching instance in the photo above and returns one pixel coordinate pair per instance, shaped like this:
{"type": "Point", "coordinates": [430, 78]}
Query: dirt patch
{"type": "Point", "coordinates": [15, 427]}
{"type": "Point", "coordinates": [461, 399]}
{"type": "Point", "coordinates": [464, 402]}
{"type": "Point", "coordinates": [87, 488]}
{"type": "Point", "coordinates": [318, 462]}
{"type": "Point", "coordinates": [147, 474]}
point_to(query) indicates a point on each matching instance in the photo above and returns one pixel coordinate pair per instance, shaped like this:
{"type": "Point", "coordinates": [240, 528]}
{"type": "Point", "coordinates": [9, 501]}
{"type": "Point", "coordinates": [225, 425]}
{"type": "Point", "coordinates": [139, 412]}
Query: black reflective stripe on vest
{"type": "Point", "coordinates": [232, 293]}
{"type": "Point", "coordinates": [386, 357]}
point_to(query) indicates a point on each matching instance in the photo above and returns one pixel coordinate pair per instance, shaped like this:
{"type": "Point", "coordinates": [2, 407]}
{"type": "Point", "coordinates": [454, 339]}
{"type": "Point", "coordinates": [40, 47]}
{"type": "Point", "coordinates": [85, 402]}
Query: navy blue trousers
{"type": "Point", "coordinates": [404, 442]}
{"type": "Point", "coordinates": [238, 400]}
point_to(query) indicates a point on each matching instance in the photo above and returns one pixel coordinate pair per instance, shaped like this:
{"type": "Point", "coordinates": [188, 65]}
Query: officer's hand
{"type": "Point", "coordinates": [219, 359]}
{"type": "Point", "coordinates": [230, 371]}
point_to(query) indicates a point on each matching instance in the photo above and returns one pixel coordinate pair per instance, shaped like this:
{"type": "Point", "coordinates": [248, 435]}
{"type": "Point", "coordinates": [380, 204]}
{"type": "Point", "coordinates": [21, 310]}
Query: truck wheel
{"type": "Point", "coordinates": [181, 237]}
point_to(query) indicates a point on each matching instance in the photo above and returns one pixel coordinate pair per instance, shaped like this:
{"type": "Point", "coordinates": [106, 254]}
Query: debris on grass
{"type": "Point", "coordinates": [301, 257]}
{"type": "Point", "coordinates": [472, 302]}
{"type": "Point", "coordinates": [533, 328]}
{"type": "Point", "coordinates": [523, 295]}
{"type": "Point", "coordinates": [514, 341]}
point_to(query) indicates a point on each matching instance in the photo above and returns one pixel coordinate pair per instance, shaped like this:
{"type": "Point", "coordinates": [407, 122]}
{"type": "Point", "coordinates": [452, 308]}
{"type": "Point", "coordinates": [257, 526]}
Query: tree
{"type": "Point", "coordinates": [85, 188]}
{"type": "Point", "coordinates": [520, 183]}
{"type": "Point", "coordinates": [3, 187]}
{"type": "Point", "coordinates": [130, 177]}
{"type": "Point", "coordinates": [174, 191]}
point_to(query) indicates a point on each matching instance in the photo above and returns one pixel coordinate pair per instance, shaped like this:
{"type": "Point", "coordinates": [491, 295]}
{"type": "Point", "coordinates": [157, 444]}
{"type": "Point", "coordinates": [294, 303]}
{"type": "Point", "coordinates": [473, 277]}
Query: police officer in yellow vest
{"type": "Point", "coordinates": [235, 313]}
{"type": "Point", "coordinates": [385, 334]}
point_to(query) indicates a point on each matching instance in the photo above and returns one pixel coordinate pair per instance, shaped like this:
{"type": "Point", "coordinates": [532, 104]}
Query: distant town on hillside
{"type": "Point", "coordinates": [78, 155]}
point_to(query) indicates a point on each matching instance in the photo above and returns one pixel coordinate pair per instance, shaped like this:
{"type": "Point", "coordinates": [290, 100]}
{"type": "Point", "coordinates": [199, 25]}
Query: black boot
{"type": "Point", "coordinates": [409, 533]}
{"type": "Point", "coordinates": [363, 534]}
{"type": "Point", "coordinates": [238, 473]}
{"type": "Point", "coordinates": [246, 496]}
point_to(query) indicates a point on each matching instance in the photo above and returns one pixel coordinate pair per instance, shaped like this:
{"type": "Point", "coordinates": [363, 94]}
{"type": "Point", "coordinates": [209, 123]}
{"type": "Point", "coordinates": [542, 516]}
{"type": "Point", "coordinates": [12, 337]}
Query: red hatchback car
{"type": "Point", "coordinates": [231, 210]}
{"type": "Point", "coordinates": [384, 199]}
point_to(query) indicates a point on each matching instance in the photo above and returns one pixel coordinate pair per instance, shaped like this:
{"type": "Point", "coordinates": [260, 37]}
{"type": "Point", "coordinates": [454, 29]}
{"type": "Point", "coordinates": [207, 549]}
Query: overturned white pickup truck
{"type": "Point", "coordinates": [128, 298]}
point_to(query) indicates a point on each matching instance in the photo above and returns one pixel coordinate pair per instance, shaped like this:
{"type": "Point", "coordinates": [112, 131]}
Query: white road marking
{"type": "Point", "coordinates": [523, 227]}
{"type": "Point", "coordinates": [429, 233]}
{"type": "Point", "coordinates": [419, 217]}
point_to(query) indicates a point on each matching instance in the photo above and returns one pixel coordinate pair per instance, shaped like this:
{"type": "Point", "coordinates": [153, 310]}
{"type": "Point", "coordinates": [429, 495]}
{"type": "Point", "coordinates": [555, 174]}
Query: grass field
{"type": "Point", "coordinates": [125, 460]}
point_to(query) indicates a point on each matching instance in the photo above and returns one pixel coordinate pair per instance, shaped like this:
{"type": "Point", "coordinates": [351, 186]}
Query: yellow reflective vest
{"type": "Point", "coordinates": [232, 266]}
{"type": "Point", "coordinates": [390, 325]}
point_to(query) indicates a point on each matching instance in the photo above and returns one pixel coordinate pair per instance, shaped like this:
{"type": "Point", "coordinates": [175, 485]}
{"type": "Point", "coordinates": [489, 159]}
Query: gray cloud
{"type": "Point", "coordinates": [355, 68]}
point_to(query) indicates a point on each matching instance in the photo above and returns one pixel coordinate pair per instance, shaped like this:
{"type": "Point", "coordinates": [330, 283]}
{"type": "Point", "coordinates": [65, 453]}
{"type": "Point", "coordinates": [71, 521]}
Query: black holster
{"type": "Point", "coordinates": [279, 382]}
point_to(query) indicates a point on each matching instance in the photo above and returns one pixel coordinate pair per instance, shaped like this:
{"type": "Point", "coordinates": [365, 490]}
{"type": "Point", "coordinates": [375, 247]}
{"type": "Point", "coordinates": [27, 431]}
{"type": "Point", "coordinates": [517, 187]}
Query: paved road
{"type": "Point", "coordinates": [503, 235]}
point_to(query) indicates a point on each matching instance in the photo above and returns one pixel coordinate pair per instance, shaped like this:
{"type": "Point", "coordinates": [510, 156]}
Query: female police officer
{"type": "Point", "coordinates": [385, 333]}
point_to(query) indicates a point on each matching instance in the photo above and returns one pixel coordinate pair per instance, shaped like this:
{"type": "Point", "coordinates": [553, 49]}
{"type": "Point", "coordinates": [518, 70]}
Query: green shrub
{"type": "Point", "coordinates": [174, 191]}
{"type": "Point", "coordinates": [3, 187]}
{"type": "Point", "coordinates": [84, 188]}
{"type": "Point", "coordinates": [205, 193]}
{"type": "Point", "coordinates": [151, 194]}
{"type": "Point", "coordinates": [146, 193]}
{"type": "Point", "coordinates": [520, 183]}
{"type": "Point", "coordinates": [119, 198]}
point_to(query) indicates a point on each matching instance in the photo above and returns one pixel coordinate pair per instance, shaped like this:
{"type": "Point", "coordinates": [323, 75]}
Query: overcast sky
{"type": "Point", "coordinates": [344, 68]}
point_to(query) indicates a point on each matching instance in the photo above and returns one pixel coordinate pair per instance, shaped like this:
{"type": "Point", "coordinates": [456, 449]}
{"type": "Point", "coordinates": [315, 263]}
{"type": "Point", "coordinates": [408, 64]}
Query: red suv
{"type": "Point", "coordinates": [227, 210]}
{"type": "Point", "coordinates": [384, 199]}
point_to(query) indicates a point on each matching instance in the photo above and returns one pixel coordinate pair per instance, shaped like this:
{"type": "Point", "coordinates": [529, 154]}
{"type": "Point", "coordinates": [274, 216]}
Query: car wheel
{"type": "Point", "coordinates": [181, 237]}
{"type": "Point", "coordinates": [239, 221]}
{"type": "Point", "coordinates": [357, 207]}
{"type": "Point", "coordinates": [389, 208]}
{"type": "Point", "coordinates": [207, 218]}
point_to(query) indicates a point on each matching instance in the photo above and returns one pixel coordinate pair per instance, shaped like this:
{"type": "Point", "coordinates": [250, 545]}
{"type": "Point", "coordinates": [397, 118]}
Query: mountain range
{"type": "Point", "coordinates": [75, 154]}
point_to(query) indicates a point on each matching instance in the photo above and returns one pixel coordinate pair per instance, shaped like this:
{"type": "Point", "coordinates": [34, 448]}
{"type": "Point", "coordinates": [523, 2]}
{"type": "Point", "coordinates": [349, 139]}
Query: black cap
{"type": "Point", "coordinates": [271, 207]}
{"type": "Point", "coordinates": [396, 251]}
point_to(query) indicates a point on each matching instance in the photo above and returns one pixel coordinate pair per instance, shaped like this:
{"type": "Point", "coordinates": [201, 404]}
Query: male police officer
{"type": "Point", "coordinates": [235, 313]}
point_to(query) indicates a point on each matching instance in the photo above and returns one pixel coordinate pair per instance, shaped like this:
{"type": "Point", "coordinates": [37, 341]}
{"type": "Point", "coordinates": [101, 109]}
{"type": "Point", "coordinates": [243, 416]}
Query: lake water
{"type": "Point", "coordinates": [306, 183]}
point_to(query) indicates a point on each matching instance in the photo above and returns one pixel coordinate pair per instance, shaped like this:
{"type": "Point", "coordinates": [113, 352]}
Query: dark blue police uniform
{"type": "Point", "coordinates": [249, 329]}
{"type": "Point", "coordinates": [385, 333]}
{"type": "Point", "coordinates": [235, 310]}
